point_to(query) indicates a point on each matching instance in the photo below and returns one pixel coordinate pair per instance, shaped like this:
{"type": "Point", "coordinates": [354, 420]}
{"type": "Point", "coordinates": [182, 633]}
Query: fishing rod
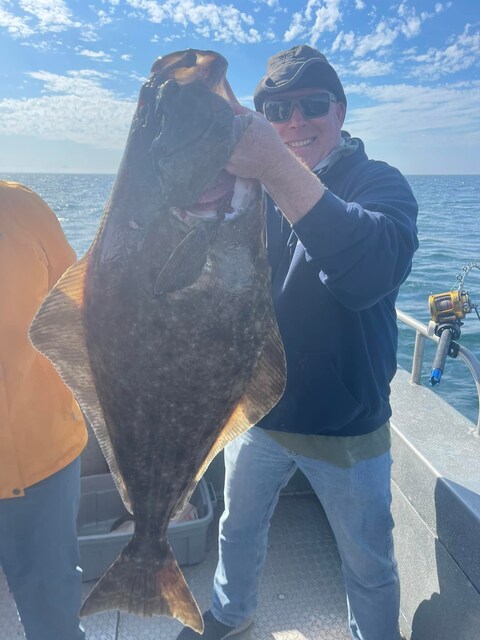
{"type": "Point", "coordinates": [448, 311]}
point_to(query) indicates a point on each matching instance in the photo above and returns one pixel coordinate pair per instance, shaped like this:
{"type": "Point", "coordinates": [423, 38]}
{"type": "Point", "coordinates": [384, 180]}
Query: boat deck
{"type": "Point", "coordinates": [436, 508]}
{"type": "Point", "coordinates": [301, 595]}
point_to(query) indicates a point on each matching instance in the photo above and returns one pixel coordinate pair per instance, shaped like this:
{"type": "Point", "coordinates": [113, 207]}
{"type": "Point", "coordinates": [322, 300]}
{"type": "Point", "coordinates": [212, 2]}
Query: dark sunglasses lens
{"type": "Point", "coordinates": [315, 106]}
{"type": "Point", "coordinates": [277, 110]}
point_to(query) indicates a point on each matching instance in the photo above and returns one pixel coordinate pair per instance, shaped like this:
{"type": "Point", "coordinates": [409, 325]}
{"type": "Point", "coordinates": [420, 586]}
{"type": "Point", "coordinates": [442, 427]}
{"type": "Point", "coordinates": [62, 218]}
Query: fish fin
{"type": "Point", "coordinates": [263, 391]}
{"type": "Point", "coordinates": [145, 588]}
{"type": "Point", "coordinates": [186, 262]}
{"type": "Point", "coordinates": [58, 332]}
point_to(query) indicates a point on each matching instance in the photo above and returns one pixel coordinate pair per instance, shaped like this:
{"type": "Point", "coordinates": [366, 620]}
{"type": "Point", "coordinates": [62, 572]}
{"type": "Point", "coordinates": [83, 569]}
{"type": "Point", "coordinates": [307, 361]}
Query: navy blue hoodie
{"type": "Point", "coordinates": [335, 279]}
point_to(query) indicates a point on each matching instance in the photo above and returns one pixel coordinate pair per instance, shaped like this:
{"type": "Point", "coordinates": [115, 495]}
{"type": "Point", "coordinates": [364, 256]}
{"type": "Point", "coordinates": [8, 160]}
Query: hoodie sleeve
{"type": "Point", "coordinates": [363, 248]}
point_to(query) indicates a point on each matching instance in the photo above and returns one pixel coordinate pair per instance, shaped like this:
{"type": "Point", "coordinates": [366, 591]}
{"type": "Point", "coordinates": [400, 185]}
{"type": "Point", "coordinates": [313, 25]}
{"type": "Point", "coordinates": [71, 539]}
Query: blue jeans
{"type": "Point", "coordinates": [39, 555]}
{"type": "Point", "coordinates": [356, 501]}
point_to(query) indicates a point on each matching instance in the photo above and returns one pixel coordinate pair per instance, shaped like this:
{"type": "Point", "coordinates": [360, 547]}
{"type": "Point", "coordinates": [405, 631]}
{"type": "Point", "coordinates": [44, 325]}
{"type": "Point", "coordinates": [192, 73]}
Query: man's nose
{"type": "Point", "coordinates": [297, 118]}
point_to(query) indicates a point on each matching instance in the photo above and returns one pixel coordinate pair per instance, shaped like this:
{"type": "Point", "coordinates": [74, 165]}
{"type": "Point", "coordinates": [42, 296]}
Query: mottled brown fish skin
{"type": "Point", "coordinates": [178, 322]}
{"type": "Point", "coordinates": [170, 369]}
{"type": "Point", "coordinates": [180, 361]}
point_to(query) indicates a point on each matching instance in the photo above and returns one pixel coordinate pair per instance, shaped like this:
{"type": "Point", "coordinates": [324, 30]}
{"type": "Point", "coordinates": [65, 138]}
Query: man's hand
{"type": "Point", "coordinates": [261, 154]}
{"type": "Point", "coordinates": [259, 149]}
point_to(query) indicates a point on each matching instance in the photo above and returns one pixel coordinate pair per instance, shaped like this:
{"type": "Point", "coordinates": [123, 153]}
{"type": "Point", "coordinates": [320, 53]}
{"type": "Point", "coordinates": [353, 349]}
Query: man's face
{"type": "Point", "coordinates": [310, 139]}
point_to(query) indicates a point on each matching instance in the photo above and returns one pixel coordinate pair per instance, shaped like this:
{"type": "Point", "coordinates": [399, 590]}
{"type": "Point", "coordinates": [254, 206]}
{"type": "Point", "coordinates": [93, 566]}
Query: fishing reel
{"type": "Point", "coordinates": [448, 311]}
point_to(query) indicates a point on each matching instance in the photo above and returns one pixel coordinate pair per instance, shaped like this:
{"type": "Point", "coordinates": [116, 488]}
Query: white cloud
{"type": "Point", "coordinates": [85, 73]}
{"type": "Point", "coordinates": [383, 36]}
{"type": "Point", "coordinates": [137, 78]}
{"type": "Point", "coordinates": [84, 112]}
{"type": "Point", "coordinates": [327, 17]}
{"type": "Point", "coordinates": [52, 15]}
{"type": "Point", "coordinates": [296, 29]}
{"type": "Point", "coordinates": [171, 38]}
{"type": "Point", "coordinates": [223, 23]}
{"type": "Point", "coordinates": [103, 18]}
{"type": "Point", "coordinates": [269, 35]}
{"type": "Point", "coordinates": [154, 11]}
{"type": "Point", "coordinates": [439, 6]}
{"type": "Point", "coordinates": [411, 27]}
{"type": "Point", "coordinates": [17, 27]}
{"type": "Point", "coordinates": [273, 4]}
{"type": "Point", "coordinates": [463, 53]}
{"type": "Point", "coordinates": [416, 114]}
{"type": "Point", "coordinates": [77, 83]}
{"type": "Point", "coordinates": [96, 55]}
{"type": "Point", "coordinates": [344, 41]}
{"type": "Point", "coordinates": [370, 68]}
{"type": "Point", "coordinates": [387, 30]}
{"type": "Point", "coordinates": [317, 17]}
{"type": "Point", "coordinates": [44, 16]}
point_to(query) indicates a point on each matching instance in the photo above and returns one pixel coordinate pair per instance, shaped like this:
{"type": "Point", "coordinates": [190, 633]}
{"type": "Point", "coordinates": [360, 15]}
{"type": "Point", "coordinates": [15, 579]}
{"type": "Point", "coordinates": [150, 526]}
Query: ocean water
{"type": "Point", "coordinates": [449, 233]}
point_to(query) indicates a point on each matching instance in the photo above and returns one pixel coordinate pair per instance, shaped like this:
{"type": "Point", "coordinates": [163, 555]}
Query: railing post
{"type": "Point", "coordinates": [417, 358]}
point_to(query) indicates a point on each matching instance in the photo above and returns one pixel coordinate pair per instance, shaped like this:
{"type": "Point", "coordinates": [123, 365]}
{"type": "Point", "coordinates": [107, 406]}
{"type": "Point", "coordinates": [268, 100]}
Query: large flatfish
{"type": "Point", "coordinates": [165, 330]}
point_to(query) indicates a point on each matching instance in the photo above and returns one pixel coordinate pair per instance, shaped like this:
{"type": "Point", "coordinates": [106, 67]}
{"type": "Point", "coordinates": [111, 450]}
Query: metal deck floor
{"type": "Point", "coordinates": [301, 595]}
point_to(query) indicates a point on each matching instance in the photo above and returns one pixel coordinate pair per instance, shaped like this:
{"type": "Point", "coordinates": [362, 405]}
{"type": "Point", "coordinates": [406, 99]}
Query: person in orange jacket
{"type": "Point", "coordinates": [42, 430]}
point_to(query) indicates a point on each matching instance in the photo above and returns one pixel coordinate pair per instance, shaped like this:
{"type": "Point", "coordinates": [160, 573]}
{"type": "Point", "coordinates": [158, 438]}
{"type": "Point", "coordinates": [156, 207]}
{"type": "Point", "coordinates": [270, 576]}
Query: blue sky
{"type": "Point", "coordinates": [71, 70]}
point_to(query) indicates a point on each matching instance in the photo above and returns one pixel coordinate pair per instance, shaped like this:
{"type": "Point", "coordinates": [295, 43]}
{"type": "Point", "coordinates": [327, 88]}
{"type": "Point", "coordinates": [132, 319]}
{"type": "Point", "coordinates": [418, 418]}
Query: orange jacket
{"type": "Point", "coordinates": [41, 426]}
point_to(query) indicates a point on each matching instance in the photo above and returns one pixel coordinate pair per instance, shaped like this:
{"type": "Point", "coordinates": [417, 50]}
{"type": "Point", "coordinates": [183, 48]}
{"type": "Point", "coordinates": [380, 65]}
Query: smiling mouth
{"type": "Point", "coordinates": [296, 144]}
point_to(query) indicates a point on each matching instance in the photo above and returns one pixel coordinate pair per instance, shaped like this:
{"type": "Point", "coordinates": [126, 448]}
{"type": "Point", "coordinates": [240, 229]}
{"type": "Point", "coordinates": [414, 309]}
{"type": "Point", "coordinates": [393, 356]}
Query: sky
{"type": "Point", "coordinates": [71, 71]}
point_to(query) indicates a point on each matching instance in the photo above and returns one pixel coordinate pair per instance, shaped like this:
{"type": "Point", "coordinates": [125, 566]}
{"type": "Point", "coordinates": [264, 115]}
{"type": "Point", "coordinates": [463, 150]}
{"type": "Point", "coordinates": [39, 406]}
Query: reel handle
{"type": "Point", "coordinates": [447, 332]}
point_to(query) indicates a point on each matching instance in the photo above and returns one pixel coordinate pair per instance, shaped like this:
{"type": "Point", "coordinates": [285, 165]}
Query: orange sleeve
{"type": "Point", "coordinates": [41, 427]}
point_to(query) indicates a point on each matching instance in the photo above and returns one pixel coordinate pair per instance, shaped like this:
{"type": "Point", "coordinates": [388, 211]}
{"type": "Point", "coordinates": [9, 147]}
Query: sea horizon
{"type": "Point", "coordinates": [112, 173]}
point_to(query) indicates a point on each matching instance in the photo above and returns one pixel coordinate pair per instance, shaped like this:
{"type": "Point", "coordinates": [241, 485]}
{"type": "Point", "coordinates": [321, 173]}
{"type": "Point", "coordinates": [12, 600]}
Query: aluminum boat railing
{"type": "Point", "coordinates": [424, 332]}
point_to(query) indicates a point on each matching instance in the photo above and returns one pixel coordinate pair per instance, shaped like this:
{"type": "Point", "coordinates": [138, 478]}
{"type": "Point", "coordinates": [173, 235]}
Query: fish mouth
{"type": "Point", "coordinates": [220, 201]}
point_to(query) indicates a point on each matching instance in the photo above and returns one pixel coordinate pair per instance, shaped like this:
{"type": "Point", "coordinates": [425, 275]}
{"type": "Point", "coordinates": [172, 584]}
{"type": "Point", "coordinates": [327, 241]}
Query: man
{"type": "Point", "coordinates": [42, 431]}
{"type": "Point", "coordinates": [341, 234]}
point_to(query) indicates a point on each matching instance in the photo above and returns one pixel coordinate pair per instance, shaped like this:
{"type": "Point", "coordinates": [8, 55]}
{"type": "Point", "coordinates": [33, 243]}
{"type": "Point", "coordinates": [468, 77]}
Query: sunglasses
{"type": "Point", "coordinates": [315, 105]}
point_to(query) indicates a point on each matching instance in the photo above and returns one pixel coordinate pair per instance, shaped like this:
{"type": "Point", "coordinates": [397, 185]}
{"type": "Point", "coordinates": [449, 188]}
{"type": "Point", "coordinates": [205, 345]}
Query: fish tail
{"type": "Point", "coordinates": [152, 587]}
